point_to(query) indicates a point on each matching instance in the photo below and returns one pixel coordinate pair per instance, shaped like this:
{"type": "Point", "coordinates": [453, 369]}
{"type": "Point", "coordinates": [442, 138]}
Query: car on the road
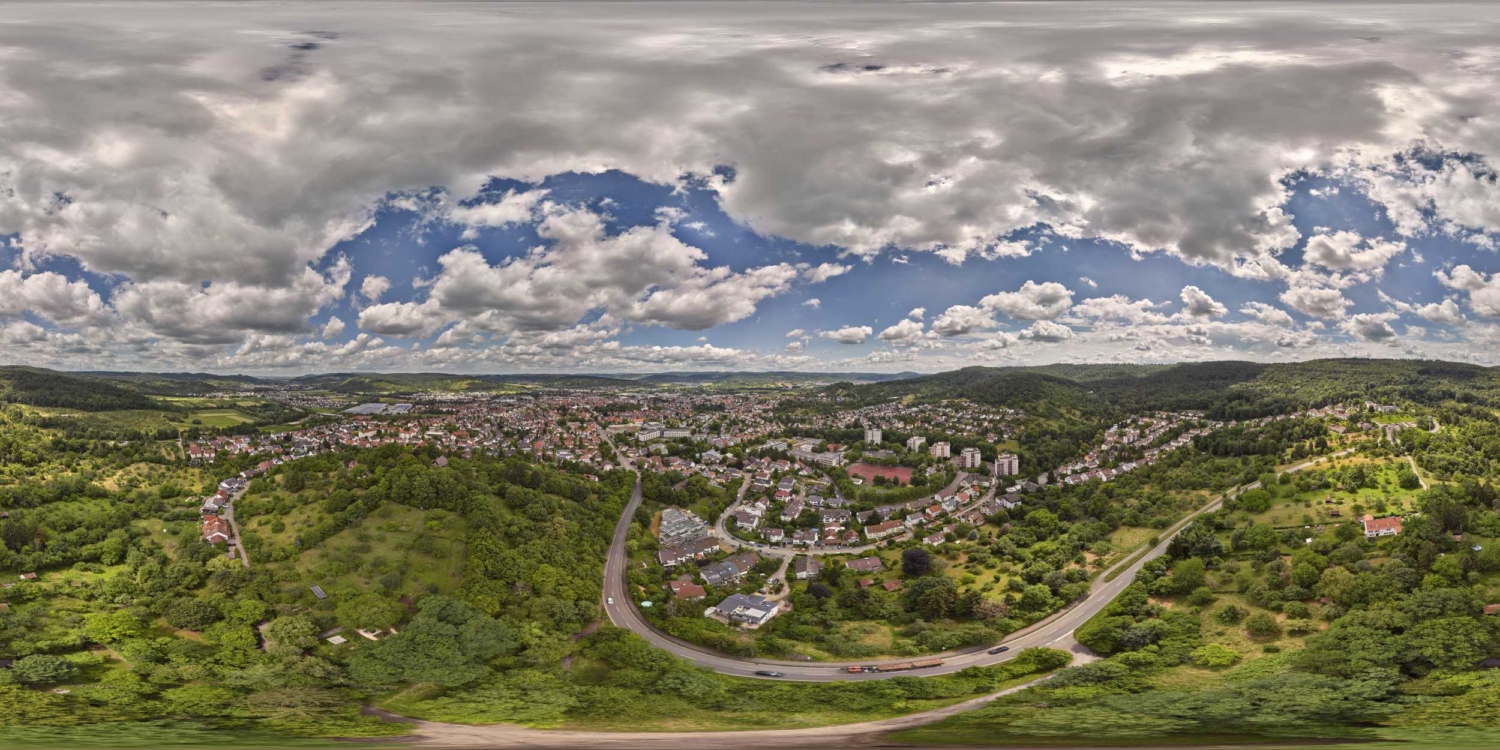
{"type": "Point", "coordinates": [768, 673]}
{"type": "Point", "coordinates": [610, 600]}
{"type": "Point", "coordinates": [999, 649]}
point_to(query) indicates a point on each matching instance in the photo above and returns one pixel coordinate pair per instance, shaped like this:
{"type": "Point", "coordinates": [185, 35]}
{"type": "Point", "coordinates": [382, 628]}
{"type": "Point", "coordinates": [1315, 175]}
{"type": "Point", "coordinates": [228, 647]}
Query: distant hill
{"type": "Point", "coordinates": [173, 384]}
{"type": "Point", "coordinates": [767, 378]}
{"type": "Point", "coordinates": [1227, 389]}
{"type": "Point", "coordinates": [39, 387]}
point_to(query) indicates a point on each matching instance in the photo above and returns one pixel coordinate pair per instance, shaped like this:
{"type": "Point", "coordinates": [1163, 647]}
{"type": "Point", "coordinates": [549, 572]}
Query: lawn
{"type": "Point", "coordinates": [1319, 506]}
{"type": "Point", "coordinates": [424, 550]}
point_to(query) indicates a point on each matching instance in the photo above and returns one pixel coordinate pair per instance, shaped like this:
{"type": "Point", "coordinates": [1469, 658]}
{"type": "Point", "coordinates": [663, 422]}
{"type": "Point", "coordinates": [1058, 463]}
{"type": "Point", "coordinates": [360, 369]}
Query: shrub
{"type": "Point", "coordinates": [1215, 655]}
{"type": "Point", "coordinates": [1201, 597]}
{"type": "Point", "coordinates": [1262, 625]}
{"type": "Point", "coordinates": [43, 668]}
{"type": "Point", "coordinates": [1230, 615]}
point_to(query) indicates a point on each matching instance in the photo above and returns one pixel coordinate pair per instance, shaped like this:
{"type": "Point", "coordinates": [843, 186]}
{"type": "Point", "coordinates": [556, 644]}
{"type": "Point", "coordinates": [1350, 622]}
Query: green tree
{"type": "Point", "coordinates": [368, 610]}
{"type": "Point", "coordinates": [43, 668]}
{"type": "Point", "coordinates": [915, 562]}
{"type": "Point", "coordinates": [109, 627]}
{"type": "Point", "coordinates": [190, 613]}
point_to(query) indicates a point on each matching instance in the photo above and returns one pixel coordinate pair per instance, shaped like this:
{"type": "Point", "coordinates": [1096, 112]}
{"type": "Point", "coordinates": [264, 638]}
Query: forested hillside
{"type": "Point", "coordinates": [1226, 390]}
{"type": "Point", "coordinates": [37, 387]}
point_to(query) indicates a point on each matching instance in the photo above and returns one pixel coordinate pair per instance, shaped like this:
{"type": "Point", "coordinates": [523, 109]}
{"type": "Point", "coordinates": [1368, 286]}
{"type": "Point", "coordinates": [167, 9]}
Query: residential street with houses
{"type": "Point", "coordinates": [1055, 631]}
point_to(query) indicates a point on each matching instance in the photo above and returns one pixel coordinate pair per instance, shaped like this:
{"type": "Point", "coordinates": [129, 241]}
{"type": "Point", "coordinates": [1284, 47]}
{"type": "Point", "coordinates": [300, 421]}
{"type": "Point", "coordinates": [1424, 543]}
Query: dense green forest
{"type": "Point", "coordinates": [36, 387]}
{"type": "Point", "coordinates": [1224, 390]}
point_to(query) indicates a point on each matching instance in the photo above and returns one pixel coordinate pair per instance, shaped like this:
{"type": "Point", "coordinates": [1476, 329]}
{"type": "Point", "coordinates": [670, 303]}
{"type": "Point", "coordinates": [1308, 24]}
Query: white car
{"type": "Point", "coordinates": [610, 600]}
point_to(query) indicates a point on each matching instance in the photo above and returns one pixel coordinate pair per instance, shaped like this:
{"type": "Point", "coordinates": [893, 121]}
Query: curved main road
{"type": "Point", "coordinates": [1055, 631]}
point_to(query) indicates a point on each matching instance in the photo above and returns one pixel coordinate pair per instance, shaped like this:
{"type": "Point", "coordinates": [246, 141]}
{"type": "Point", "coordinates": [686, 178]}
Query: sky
{"type": "Point", "coordinates": [282, 188]}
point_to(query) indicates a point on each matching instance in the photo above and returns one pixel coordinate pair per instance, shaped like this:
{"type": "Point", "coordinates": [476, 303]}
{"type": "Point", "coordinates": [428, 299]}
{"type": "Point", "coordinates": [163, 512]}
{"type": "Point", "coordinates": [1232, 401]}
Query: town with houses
{"type": "Point", "coordinates": [788, 507]}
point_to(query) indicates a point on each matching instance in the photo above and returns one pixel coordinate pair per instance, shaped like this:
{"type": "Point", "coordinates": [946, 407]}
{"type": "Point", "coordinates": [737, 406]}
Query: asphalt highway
{"type": "Point", "coordinates": [1056, 631]}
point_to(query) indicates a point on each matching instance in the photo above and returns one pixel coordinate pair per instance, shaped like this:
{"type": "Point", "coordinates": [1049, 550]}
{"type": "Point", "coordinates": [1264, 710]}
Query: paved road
{"type": "Point", "coordinates": [234, 528]}
{"type": "Point", "coordinates": [1055, 631]}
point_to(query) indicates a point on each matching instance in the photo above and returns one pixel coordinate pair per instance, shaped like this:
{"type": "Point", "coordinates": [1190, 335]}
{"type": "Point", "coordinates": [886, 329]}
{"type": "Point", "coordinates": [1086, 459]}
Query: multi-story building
{"type": "Point", "coordinates": [678, 526]}
{"type": "Point", "coordinates": [941, 450]}
{"type": "Point", "coordinates": [872, 436]}
{"type": "Point", "coordinates": [915, 443]}
{"type": "Point", "coordinates": [1007, 465]}
{"type": "Point", "coordinates": [969, 458]}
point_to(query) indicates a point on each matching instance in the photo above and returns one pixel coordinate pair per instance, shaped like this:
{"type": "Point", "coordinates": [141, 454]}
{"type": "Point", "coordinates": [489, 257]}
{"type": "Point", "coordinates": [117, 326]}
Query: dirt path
{"type": "Point", "coordinates": [865, 734]}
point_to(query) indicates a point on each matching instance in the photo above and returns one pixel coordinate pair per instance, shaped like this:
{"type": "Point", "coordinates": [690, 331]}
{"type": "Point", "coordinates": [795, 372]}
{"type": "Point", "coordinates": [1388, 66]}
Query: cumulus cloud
{"type": "Point", "coordinates": [905, 332]}
{"type": "Point", "coordinates": [917, 313]}
{"type": "Point", "coordinates": [1197, 304]}
{"type": "Point", "coordinates": [333, 328]}
{"type": "Point", "coordinates": [643, 274]}
{"type": "Point", "coordinates": [1374, 327]}
{"type": "Point", "coordinates": [1441, 313]}
{"type": "Point", "coordinates": [374, 287]}
{"type": "Point", "coordinates": [50, 295]}
{"type": "Point", "coordinates": [849, 334]}
{"type": "Point", "coordinates": [223, 312]}
{"type": "Point", "coordinates": [1032, 301]}
{"type": "Point", "coordinates": [1267, 314]}
{"type": "Point", "coordinates": [812, 302]}
{"type": "Point", "coordinates": [1047, 331]}
{"type": "Point", "coordinates": [514, 207]}
{"type": "Point", "coordinates": [961, 319]}
{"type": "Point", "coordinates": [1348, 251]}
{"type": "Point", "coordinates": [825, 271]}
{"type": "Point", "coordinates": [1121, 309]}
{"type": "Point", "coordinates": [1316, 302]}
{"type": "Point", "coordinates": [1483, 289]}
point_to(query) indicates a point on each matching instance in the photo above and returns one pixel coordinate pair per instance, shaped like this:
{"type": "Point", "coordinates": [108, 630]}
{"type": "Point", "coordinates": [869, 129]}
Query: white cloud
{"type": "Point", "coordinates": [1267, 314]}
{"type": "Point", "coordinates": [1374, 327]}
{"type": "Point", "coordinates": [1032, 301]}
{"type": "Point", "coordinates": [961, 319]}
{"type": "Point", "coordinates": [812, 302]}
{"type": "Point", "coordinates": [1088, 282]}
{"type": "Point", "coordinates": [1484, 290]}
{"type": "Point", "coordinates": [1316, 302]}
{"type": "Point", "coordinates": [917, 313]}
{"type": "Point", "coordinates": [222, 312]}
{"type": "Point", "coordinates": [1197, 304]}
{"type": "Point", "coordinates": [1348, 251]}
{"type": "Point", "coordinates": [373, 287]}
{"type": "Point", "coordinates": [823, 272]}
{"type": "Point", "coordinates": [50, 295]}
{"type": "Point", "coordinates": [904, 332]}
{"type": "Point", "coordinates": [849, 334]}
{"type": "Point", "coordinates": [514, 207]}
{"type": "Point", "coordinates": [1047, 331]}
{"type": "Point", "coordinates": [1120, 308]}
{"type": "Point", "coordinates": [333, 328]}
{"type": "Point", "coordinates": [796, 333]}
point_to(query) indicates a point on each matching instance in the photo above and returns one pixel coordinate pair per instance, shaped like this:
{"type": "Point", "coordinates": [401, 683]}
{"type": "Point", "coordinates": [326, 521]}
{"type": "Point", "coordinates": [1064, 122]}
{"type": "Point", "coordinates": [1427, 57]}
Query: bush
{"type": "Point", "coordinates": [191, 614]}
{"type": "Point", "coordinates": [1214, 655]}
{"type": "Point", "coordinates": [1297, 610]}
{"type": "Point", "coordinates": [1262, 625]}
{"type": "Point", "coordinates": [1230, 615]}
{"type": "Point", "coordinates": [1201, 597]}
{"type": "Point", "coordinates": [43, 668]}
